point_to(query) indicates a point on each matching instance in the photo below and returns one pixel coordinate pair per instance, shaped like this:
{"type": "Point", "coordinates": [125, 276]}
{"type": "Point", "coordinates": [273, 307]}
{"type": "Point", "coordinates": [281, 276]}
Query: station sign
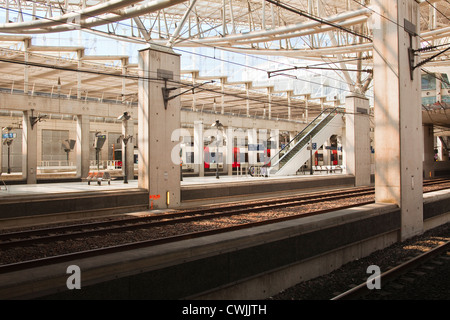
{"type": "Point", "coordinates": [314, 146]}
{"type": "Point", "coordinates": [9, 135]}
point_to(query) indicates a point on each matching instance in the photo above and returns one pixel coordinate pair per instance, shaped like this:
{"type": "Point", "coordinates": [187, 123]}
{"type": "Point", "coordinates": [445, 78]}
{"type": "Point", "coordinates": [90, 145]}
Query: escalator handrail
{"type": "Point", "coordinates": [301, 132]}
{"type": "Point", "coordinates": [333, 109]}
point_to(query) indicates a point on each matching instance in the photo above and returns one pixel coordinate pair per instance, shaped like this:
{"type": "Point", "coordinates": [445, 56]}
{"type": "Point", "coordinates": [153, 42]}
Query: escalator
{"type": "Point", "coordinates": [295, 153]}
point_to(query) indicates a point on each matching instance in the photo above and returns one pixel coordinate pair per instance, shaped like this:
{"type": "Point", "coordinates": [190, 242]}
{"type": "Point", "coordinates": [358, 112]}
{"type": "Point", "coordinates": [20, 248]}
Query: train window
{"type": "Point", "coordinates": [189, 157]}
{"type": "Point", "coordinates": [428, 82]}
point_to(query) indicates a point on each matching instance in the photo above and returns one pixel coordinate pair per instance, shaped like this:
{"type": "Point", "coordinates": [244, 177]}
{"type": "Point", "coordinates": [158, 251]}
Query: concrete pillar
{"type": "Point", "coordinates": [252, 140]}
{"type": "Point", "coordinates": [229, 150]}
{"type": "Point", "coordinates": [289, 98]}
{"type": "Point", "coordinates": [80, 54]}
{"type": "Point", "coordinates": [199, 154]}
{"type": "Point", "coordinates": [428, 152]}
{"type": "Point", "coordinates": [29, 149]}
{"type": "Point", "coordinates": [442, 151]}
{"type": "Point", "coordinates": [124, 62]}
{"type": "Point", "coordinates": [27, 44]}
{"type": "Point", "coordinates": [128, 131]}
{"type": "Point", "coordinates": [274, 145]}
{"type": "Point", "coordinates": [340, 147]}
{"type": "Point", "coordinates": [292, 135]}
{"type": "Point", "coordinates": [357, 139]}
{"type": "Point", "coordinates": [439, 148]}
{"type": "Point", "coordinates": [222, 97]}
{"type": "Point", "coordinates": [82, 146]}
{"type": "Point", "coordinates": [306, 109]}
{"type": "Point", "coordinates": [326, 153]}
{"type": "Point", "coordinates": [159, 154]}
{"type": "Point", "coordinates": [398, 114]}
{"type": "Point", "coordinates": [247, 93]}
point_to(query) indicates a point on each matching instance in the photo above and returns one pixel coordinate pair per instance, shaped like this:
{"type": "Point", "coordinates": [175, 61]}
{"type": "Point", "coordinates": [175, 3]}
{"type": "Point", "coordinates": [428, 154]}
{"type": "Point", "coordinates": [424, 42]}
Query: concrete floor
{"type": "Point", "coordinates": [70, 187]}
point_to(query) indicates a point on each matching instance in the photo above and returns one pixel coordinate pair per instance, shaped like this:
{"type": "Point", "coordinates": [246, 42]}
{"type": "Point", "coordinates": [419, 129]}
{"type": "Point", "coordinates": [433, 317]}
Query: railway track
{"type": "Point", "coordinates": [39, 237]}
{"type": "Point", "coordinates": [404, 272]}
{"type": "Point", "coordinates": [46, 235]}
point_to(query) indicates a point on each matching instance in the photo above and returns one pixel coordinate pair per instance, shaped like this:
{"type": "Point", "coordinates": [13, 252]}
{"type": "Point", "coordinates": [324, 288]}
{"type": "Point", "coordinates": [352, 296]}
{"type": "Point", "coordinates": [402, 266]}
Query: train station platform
{"type": "Point", "coordinates": [211, 189]}
{"type": "Point", "coordinates": [67, 200]}
{"type": "Point", "coordinates": [251, 263]}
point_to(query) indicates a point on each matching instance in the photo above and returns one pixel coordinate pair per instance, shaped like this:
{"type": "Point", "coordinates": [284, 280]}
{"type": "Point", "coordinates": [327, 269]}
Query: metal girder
{"type": "Point", "coordinates": [296, 28]}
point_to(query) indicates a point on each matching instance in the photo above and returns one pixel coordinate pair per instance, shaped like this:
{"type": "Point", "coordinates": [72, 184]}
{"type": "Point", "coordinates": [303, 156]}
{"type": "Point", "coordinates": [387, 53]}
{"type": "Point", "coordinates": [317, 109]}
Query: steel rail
{"type": "Point", "coordinates": [89, 229]}
{"type": "Point", "coordinates": [394, 273]}
{"type": "Point", "coordinates": [30, 237]}
{"type": "Point", "coordinates": [147, 243]}
{"type": "Point", "coordinates": [141, 244]}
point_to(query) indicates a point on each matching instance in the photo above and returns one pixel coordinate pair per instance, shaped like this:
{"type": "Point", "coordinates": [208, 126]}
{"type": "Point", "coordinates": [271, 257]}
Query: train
{"type": "Point", "coordinates": [117, 158]}
{"type": "Point", "coordinates": [435, 90]}
{"type": "Point", "coordinates": [216, 157]}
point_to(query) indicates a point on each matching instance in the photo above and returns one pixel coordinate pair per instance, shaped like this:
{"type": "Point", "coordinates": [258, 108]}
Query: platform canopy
{"type": "Point", "coordinates": [331, 35]}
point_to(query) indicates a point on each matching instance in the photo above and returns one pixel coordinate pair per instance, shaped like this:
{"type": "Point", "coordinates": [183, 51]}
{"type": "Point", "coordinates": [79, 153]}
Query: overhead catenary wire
{"type": "Point", "coordinates": [232, 62]}
{"type": "Point", "coordinates": [438, 10]}
{"type": "Point", "coordinates": [317, 19]}
{"type": "Point", "coordinates": [255, 68]}
{"type": "Point", "coordinates": [136, 77]}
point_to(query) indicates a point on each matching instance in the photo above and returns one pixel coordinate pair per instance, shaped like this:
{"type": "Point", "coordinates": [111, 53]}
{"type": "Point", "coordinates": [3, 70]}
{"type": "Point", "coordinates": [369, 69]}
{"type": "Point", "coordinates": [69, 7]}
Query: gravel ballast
{"type": "Point", "coordinates": [431, 284]}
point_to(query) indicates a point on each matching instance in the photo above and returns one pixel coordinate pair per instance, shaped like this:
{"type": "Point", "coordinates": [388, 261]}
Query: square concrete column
{"type": "Point", "coordinates": [442, 151]}
{"type": "Point", "coordinates": [357, 139]}
{"type": "Point", "coordinates": [159, 120]}
{"type": "Point", "coordinates": [398, 114]}
{"type": "Point", "coordinates": [128, 133]}
{"type": "Point", "coordinates": [428, 152]}
{"type": "Point", "coordinates": [263, 139]}
{"type": "Point", "coordinates": [29, 149]}
{"type": "Point", "coordinates": [274, 145]}
{"type": "Point", "coordinates": [199, 148]}
{"type": "Point", "coordinates": [229, 150]}
{"type": "Point", "coordinates": [252, 140]}
{"type": "Point", "coordinates": [82, 146]}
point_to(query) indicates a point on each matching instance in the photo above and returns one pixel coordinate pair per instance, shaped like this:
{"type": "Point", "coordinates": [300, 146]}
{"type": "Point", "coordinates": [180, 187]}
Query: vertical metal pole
{"type": "Point", "coordinates": [310, 156]}
{"type": "Point", "coordinates": [124, 163]}
{"type": "Point", "coordinates": [9, 156]}
{"type": "Point", "coordinates": [217, 154]}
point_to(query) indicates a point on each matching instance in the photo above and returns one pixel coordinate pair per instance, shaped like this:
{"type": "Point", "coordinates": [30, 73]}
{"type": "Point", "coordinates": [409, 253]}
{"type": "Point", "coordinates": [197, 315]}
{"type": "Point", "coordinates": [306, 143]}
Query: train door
{"type": "Point", "coordinates": [334, 157]}
{"type": "Point", "coordinates": [236, 157]}
{"type": "Point", "coordinates": [207, 157]}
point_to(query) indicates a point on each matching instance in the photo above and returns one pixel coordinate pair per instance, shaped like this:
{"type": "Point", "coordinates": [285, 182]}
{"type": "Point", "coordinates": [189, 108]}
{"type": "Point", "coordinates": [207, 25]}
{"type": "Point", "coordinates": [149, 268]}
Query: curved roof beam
{"type": "Point", "coordinates": [307, 53]}
{"type": "Point", "coordinates": [88, 12]}
{"type": "Point", "coordinates": [281, 34]}
{"type": "Point", "coordinates": [284, 30]}
{"type": "Point", "coordinates": [84, 18]}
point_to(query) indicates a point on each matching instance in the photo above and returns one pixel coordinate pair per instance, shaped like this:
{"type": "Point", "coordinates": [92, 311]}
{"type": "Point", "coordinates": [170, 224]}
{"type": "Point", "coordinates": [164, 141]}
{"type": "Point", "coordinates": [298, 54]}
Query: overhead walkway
{"type": "Point", "coordinates": [289, 159]}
